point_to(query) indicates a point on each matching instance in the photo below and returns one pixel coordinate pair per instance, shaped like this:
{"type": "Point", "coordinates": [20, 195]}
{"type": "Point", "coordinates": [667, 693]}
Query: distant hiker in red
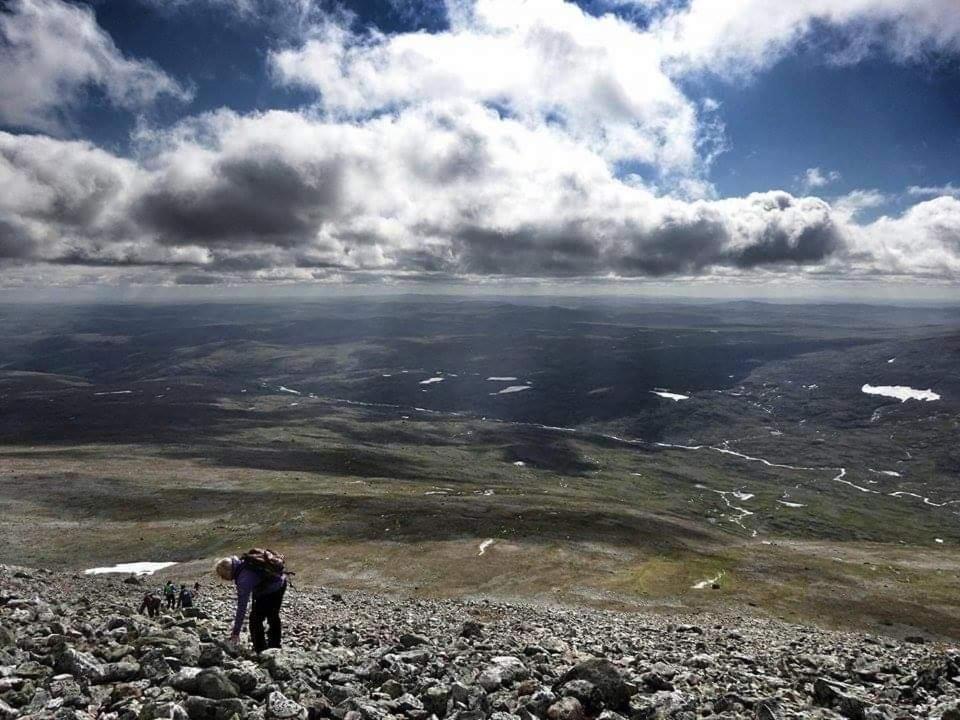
{"type": "Point", "coordinates": [260, 574]}
{"type": "Point", "coordinates": [151, 603]}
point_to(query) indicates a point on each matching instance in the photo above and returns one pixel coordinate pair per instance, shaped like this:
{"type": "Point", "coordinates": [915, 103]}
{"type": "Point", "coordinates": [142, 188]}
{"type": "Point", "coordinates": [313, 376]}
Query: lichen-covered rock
{"type": "Point", "coordinates": [283, 708]}
{"type": "Point", "coordinates": [568, 708]}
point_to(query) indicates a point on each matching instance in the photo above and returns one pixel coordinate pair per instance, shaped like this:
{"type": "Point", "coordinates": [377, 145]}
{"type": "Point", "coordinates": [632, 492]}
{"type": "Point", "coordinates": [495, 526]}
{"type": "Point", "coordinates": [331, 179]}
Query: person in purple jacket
{"type": "Point", "coordinates": [267, 592]}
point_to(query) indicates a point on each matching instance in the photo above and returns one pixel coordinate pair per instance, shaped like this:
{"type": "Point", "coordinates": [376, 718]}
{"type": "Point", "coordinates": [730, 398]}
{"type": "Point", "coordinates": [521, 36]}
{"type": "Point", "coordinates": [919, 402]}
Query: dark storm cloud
{"type": "Point", "coordinates": [198, 278]}
{"type": "Point", "coordinates": [244, 262]}
{"type": "Point", "coordinates": [424, 261]}
{"type": "Point", "coordinates": [674, 247]}
{"type": "Point", "coordinates": [106, 256]}
{"type": "Point", "coordinates": [14, 242]}
{"type": "Point", "coordinates": [775, 246]}
{"type": "Point", "coordinates": [531, 250]}
{"type": "Point", "coordinates": [253, 200]}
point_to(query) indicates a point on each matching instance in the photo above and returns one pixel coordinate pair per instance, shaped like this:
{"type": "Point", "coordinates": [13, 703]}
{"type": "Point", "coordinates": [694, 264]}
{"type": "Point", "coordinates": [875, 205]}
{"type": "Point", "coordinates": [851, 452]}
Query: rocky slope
{"type": "Point", "coordinates": [73, 647]}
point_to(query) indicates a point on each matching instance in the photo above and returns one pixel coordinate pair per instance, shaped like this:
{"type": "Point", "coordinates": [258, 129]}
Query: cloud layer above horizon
{"type": "Point", "coordinates": [528, 139]}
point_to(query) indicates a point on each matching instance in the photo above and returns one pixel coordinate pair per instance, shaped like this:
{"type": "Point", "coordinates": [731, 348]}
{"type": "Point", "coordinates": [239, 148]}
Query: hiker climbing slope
{"type": "Point", "coordinates": [150, 604]}
{"type": "Point", "coordinates": [170, 595]}
{"type": "Point", "coordinates": [258, 574]}
{"type": "Point", "coordinates": [185, 598]}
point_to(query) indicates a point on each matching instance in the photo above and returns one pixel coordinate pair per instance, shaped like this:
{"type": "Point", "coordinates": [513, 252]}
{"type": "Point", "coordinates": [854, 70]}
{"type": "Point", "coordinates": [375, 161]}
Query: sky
{"type": "Point", "coordinates": [601, 145]}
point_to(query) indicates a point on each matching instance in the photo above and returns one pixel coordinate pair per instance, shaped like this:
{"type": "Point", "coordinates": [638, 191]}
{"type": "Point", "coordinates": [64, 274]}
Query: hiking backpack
{"type": "Point", "coordinates": [267, 562]}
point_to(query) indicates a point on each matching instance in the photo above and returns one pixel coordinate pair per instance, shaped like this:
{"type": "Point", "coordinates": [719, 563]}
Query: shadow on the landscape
{"type": "Point", "coordinates": [356, 462]}
{"type": "Point", "coordinates": [336, 516]}
{"type": "Point", "coordinates": [75, 418]}
{"type": "Point", "coordinates": [558, 456]}
{"type": "Point", "coordinates": [380, 433]}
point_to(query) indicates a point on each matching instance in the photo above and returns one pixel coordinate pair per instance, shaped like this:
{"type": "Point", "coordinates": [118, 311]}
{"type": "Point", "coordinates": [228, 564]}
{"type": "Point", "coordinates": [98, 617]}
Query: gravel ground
{"type": "Point", "coordinates": [73, 647]}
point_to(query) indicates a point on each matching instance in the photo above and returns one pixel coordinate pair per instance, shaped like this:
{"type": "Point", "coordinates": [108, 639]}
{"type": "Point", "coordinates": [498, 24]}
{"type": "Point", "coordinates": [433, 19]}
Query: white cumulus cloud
{"type": "Point", "coordinates": [814, 178]}
{"type": "Point", "coordinates": [505, 146]}
{"type": "Point", "coordinates": [448, 190]}
{"type": "Point", "coordinates": [52, 52]}
{"type": "Point", "coordinates": [739, 37]}
{"type": "Point", "coordinates": [934, 190]}
{"type": "Point", "coordinates": [542, 62]}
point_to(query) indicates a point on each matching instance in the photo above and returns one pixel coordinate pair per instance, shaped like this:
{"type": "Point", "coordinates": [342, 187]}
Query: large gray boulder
{"type": "Point", "coordinates": [214, 683]}
{"type": "Point", "coordinates": [605, 677]}
{"type": "Point", "coordinates": [201, 708]}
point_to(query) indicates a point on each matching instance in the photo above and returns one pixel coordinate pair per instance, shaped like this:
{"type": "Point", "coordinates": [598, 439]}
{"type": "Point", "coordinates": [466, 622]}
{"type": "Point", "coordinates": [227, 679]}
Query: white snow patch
{"type": "Point", "coordinates": [134, 568]}
{"type": "Point", "coordinates": [676, 397]}
{"type": "Point", "coordinates": [704, 584]}
{"type": "Point", "coordinates": [900, 392]}
{"type": "Point", "coordinates": [891, 360]}
{"type": "Point", "coordinates": [497, 378]}
{"type": "Point", "coordinates": [939, 541]}
{"type": "Point", "coordinates": [728, 451]}
{"type": "Point", "coordinates": [289, 390]}
{"type": "Point", "coordinates": [926, 500]}
{"type": "Point", "coordinates": [520, 463]}
{"type": "Point", "coordinates": [512, 389]}
{"type": "Point", "coordinates": [115, 392]}
{"type": "Point", "coordinates": [484, 545]}
{"type": "Point", "coordinates": [431, 381]}
{"type": "Point", "coordinates": [791, 504]}
{"type": "Point", "coordinates": [888, 473]}
{"type": "Point", "coordinates": [839, 479]}
{"type": "Point", "coordinates": [742, 512]}
{"type": "Point", "coordinates": [682, 447]}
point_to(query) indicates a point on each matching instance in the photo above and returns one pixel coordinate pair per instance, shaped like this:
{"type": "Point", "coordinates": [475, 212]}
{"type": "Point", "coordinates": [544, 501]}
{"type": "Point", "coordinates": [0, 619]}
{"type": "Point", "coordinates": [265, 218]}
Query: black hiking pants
{"type": "Point", "coordinates": [266, 608]}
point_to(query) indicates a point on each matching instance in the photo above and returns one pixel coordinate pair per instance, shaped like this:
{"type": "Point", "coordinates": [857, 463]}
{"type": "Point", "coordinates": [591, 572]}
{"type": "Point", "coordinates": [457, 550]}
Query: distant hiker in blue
{"type": "Point", "coordinates": [185, 599]}
{"type": "Point", "coordinates": [258, 574]}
